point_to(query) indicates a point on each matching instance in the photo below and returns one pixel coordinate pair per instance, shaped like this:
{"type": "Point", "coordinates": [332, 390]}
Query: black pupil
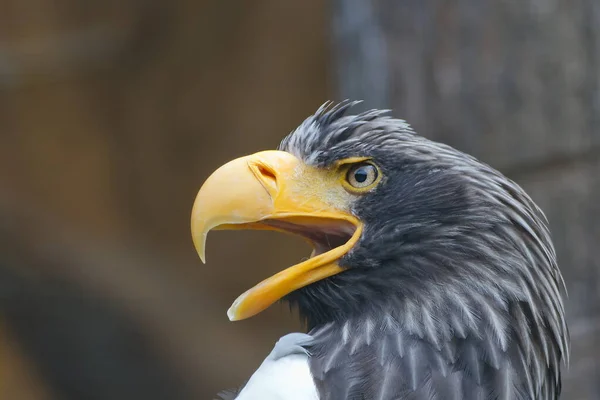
{"type": "Point", "coordinates": [361, 174]}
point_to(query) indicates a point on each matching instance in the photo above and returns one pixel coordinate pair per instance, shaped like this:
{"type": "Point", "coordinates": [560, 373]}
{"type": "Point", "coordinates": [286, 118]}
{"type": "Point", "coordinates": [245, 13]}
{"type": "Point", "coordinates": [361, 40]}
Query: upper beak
{"type": "Point", "coordinates": [274, 190]}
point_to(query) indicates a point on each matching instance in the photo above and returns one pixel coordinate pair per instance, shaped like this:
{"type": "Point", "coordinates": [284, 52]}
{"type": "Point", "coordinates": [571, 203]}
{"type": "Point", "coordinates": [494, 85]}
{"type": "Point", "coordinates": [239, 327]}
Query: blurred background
{"type": "Point", "coordinates": [112, 114]}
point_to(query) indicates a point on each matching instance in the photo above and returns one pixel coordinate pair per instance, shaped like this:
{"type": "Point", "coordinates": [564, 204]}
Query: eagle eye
{"type": "Point", "coordinates": [362, 176]}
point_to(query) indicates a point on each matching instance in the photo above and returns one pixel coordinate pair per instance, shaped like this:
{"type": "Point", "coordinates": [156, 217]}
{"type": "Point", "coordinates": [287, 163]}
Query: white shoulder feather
{"type": "Point", "coordinates": [285, 373]}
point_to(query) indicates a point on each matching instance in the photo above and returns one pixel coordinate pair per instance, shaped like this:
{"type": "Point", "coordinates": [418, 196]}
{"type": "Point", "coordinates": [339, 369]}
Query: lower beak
{"type": "Point", "coordinates": [274, 190]}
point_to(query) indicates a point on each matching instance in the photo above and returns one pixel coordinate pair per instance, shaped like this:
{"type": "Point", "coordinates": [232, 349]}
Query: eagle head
{"type": "Point", "coordinates": [412, 239]}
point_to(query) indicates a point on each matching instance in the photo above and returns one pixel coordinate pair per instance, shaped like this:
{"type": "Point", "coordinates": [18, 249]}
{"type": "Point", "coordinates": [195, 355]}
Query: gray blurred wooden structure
{"type": "Point", "coordinates": [516, 84]}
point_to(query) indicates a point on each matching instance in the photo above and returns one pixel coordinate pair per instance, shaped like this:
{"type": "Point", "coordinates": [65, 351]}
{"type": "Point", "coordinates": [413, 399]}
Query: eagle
{"type": "Point", "coordinates": [432, 275]}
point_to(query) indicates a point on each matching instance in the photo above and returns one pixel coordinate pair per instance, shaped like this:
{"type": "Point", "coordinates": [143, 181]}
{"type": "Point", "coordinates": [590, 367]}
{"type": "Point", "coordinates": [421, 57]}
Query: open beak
{"type": "Point", "coordinates": [274, 190]}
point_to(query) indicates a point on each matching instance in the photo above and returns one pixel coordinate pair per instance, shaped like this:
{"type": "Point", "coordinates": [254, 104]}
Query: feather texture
{"type": "Point", "coordinates": [453, 290]}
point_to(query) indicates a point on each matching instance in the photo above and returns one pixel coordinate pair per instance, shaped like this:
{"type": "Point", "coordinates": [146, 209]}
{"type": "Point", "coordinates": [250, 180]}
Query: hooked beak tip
{"type": "Point", "coordinates": [199, 239]}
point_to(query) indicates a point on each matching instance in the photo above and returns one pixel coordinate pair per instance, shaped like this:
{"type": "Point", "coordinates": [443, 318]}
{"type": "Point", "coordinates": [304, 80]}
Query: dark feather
{"type": "Point", "coordinates": [452, 292]}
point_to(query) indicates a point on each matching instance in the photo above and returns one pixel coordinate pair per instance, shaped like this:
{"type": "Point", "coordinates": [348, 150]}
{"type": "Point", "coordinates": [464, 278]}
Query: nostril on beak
{"type": "Point", "coordinates": [267, 176]}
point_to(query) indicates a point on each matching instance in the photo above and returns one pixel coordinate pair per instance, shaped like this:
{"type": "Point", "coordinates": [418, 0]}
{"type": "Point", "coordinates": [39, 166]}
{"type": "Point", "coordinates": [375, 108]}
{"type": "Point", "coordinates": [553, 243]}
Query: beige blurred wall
{"type": "Point", "coordinates": [111, 116]}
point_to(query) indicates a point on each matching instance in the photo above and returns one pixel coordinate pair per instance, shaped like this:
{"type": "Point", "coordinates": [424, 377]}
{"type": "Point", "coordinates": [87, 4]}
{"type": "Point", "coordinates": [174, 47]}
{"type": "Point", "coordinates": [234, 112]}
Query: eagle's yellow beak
{"type": "Point", "coordinates": [274, 190]}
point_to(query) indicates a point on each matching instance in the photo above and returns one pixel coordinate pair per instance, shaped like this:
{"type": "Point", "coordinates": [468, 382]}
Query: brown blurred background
{"type": "Point", "coordinates": [112, 113]}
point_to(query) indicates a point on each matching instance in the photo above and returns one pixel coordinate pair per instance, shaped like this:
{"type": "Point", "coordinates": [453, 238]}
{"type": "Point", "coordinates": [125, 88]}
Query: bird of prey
{"type": "Point", "coordinates": [433, 276]}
